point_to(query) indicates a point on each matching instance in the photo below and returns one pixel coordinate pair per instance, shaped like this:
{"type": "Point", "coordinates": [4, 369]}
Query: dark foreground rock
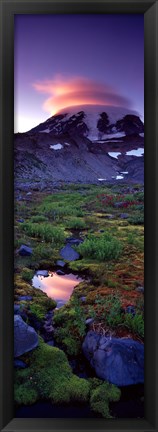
{"type": "Point", "coordinates": [19, 364]}
{"type": "Point", "coordinates": [119, 361]}
{"type": "Point", "coordinates": [25, 337]}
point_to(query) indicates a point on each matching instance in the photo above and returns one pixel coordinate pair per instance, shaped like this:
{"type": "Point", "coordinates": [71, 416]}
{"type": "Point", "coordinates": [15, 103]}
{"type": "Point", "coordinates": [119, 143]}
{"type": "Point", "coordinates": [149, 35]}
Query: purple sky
{"type": "Point", "coordinates": [60, 59]}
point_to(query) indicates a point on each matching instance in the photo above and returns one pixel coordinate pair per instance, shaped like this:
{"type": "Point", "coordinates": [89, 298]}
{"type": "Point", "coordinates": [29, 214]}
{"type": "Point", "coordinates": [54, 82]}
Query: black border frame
{"type": "Point", "coordinates": [7, 10]}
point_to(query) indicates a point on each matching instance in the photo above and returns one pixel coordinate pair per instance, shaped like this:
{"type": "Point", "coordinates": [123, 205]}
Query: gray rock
{"type": "Point", "coordinates": [51, 343]}
{"type": "Point", "coordinates": [29, 193]}
{"type": "Point", "coordinates": [19, 364]}
{"type": "Point", "coordinates": [83, 299]}
{"type": "Point", "coordinates": [118, 204]}
{"type": "Point", "coordinates": [90, 344]}
{"type": "Point", "coordinates": [68, 253]}
{"type": "Point", "coordinates": [118, 361]}
{"type": "Point", "coordinates": [110, 216]}
{"type": "Point", "coordinates": [74, 241]}
{"type": "Point", "coordinates": [89, 321]}
{"type": "Point", "coordinates": [25, 250]}
{"type": "Point", "coordinates": [42, 273]}
{"type": "Point", "coordinates": [16, 309]}
{"type": "Point", "coordinates": [60, 273]}
{"type": "Point", "coordinates": [25, 337]}
{"type": "Point", "coordinates": [60, 303]}
{"type": "Point", "coordinates": [48, 327]}
{"type": "Point", "coordinates": [124, 215]}
{"type": "Point", "coordinates": [140, 289]}
{"type": "Point", "coordinates": [60, 263]}
{"type": "Point", "coordinates": [25, 298]}
{"type": "Point", "coordinates": [130, 310]}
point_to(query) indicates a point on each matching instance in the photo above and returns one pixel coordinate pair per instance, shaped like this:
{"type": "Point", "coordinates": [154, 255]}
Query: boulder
{"type": "Point", "coordinates": [50, 343]}
{"type": "Point", "coordinates": [25, 337]}
{"type": "Point", "coordinates": [42, 273]}
{"type": "Point", "coordinates": [74, 241]}
{"type": "Point", "coordinates": [89, 321]}
{"type": "Point", "coordinates": [119, 204]}
{"type": "Point", "coordinates": [124, 215]}
{"type": "Point", "coordinates": [118, 361]}
{"type": "Point", "coordinates": [60, 273]}
{"type": "Point", "coordinates": [140, 289]}
{"type": "Point", "coordinates": [25, 250]}
{"type": "Point", "coordinates": [60, 263]}
{"type": "Point", "coordinates": [68, 253]}
{"type": "Point", "coordinates": [25, 298]}
{"type": "Point", "coordinates": [16, 309]}
{"type": "Point", "coordinates": [130, 310]}
{"type": "Point", "coordinates": [83, 299]}
{"type": "Point", "coordinates": [19, 364]}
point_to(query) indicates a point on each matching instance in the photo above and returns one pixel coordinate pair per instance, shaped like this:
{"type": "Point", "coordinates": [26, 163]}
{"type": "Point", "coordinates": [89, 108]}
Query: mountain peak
{"type": "Point", "coordinates": [93, 122]}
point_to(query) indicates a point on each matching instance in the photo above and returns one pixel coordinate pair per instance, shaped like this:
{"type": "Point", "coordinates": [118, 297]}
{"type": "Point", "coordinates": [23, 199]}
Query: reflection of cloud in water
{"type": "Point", "coordinates": [57, 287]}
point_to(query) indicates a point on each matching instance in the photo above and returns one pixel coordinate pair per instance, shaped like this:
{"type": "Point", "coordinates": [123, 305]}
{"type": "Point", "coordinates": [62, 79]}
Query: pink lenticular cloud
{"type": "Point", "coordinates": [66, 92]}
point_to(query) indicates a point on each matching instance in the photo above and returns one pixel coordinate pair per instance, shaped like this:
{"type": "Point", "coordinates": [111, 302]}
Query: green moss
{"type": "Point", "coordinates": [24, 394]}
{"type": "Point", "coordinates": [27, 274]}
{"type": "Point", "coordinates": [38, 310]}
{"type": "Point", "coordinates": [50, 377]}
{"type": "Point", "coordinates": [70, 326]}
{"type": "Point", "coordinates": [101, 396]}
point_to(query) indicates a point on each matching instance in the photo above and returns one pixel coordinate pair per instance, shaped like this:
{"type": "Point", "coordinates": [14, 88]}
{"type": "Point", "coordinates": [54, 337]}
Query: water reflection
{"type": "Point", "coordinates": [56, 286]}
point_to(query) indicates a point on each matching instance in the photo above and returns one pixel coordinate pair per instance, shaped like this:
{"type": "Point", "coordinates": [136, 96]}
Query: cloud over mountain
{"type": "Point", "coordinates": [64, 92]}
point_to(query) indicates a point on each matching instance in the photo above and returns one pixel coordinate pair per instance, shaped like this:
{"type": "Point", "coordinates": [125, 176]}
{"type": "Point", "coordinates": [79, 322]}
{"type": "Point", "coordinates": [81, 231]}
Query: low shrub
{"type": "Point", "coordinates": [38, 218]}
{"type": "Point", "coordinates": [136, 219]}
{"type": "Point", "coordinates": [46, 231]}
{"type": "Point", "coordinates": [102, 248]}
{"type": "Point", "coordinates": [76, 223]}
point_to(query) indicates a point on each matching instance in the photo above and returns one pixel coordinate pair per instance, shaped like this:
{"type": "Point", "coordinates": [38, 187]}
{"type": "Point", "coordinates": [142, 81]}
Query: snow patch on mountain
{"type": "Point", "coordinates": [114, 154]}
{"type": "Point", "coordinates": [139, 152]}
{"type": "Point", "coordinates": [56, 146]}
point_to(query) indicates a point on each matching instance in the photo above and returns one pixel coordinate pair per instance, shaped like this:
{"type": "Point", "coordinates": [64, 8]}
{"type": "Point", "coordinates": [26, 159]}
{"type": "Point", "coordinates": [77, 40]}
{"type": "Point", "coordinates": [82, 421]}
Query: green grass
{"type": "Point", "coordinates": [104, 247]}
{"type": "Point", "coordinates": [137, 219]}
{"type": "Point", "coordinates": [45, 231]}
{"type": "Point", "coordinates": [76, 223]}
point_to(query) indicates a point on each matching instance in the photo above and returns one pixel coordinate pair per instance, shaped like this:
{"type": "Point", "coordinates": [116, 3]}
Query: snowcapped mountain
{"type": "Point", "coordinates": [85, 144]}
{"type": "Point", "coordinates": [94, 122]}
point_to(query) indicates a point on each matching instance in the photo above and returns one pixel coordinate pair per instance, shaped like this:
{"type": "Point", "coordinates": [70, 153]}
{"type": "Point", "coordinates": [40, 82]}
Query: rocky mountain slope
{"type": "Point", "coordinates": [88, 144]}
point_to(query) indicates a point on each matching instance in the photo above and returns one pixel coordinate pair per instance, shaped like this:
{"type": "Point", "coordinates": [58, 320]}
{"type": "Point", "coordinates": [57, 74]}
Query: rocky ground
{"type": "Point", "coordinates": [96, 232]}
